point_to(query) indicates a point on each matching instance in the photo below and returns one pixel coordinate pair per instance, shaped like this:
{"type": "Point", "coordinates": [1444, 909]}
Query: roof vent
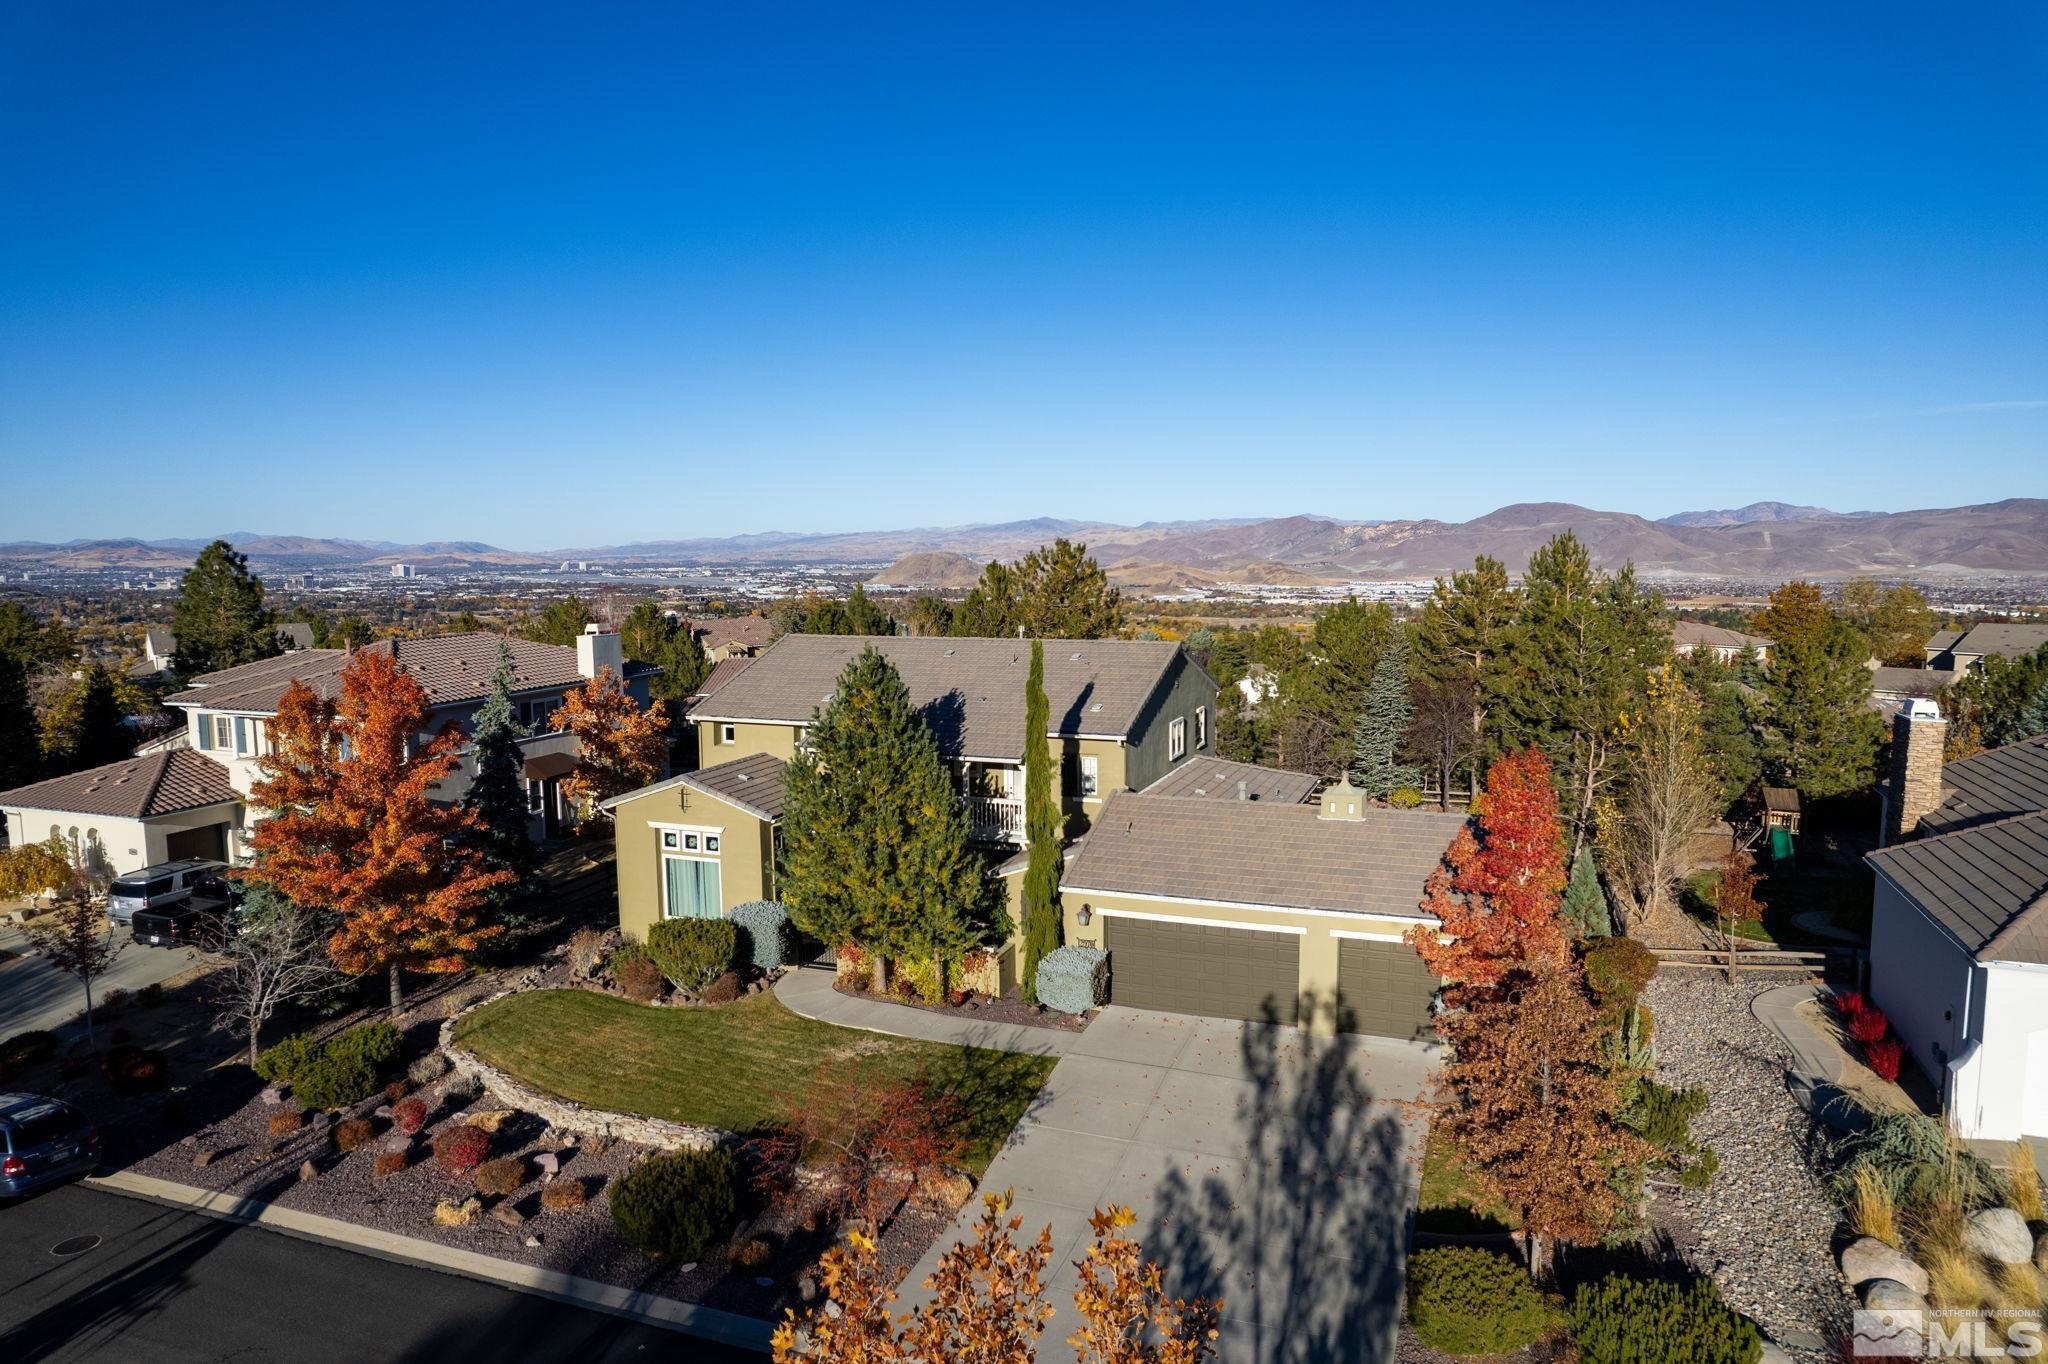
{"type": "Point", "coordinates": [1074, 657]}
{"type": "Point", "coordinates": [1095, 708]}
{"type": "Point", "coordinates": [950, 653]}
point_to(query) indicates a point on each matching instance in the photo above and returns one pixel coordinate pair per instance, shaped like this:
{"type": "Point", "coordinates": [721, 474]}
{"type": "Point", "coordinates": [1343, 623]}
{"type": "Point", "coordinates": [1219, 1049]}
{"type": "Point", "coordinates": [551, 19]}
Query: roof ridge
{"type": "Point", "coordinates": [1988, 824]}
{"type": "Point", "coordinates": [2012, 927]}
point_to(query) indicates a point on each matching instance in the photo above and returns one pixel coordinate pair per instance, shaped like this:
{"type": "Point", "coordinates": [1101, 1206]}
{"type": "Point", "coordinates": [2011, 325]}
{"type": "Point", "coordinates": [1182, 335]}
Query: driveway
{"type": "Point", "coordinates": [1268, 1168]}
{"type": "Point", "coordinates": [35, 994]}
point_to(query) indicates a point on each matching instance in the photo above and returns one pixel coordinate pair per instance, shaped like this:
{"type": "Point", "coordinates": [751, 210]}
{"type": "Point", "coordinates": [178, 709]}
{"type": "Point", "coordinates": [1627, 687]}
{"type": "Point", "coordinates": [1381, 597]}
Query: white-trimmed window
{"type": "Point", "coordinates": [1087, 776]}
{"type": "Point", "coordinates": [691, 886]}
{"type": "Point", "coordinates": [728, 734]}
{"type": "Point", "coordinates": [1201, 727]}
{"type": "Point", "coordinates": [535, 792]}
{"type": "Point", "coordinates": [224, 732]}
{"type": "Point", "coordinates": [1177, 740]}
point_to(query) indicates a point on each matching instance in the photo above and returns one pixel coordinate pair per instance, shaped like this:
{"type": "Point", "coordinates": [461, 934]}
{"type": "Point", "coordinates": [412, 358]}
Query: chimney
{"type": "Point", "coordinates": [1918, 732]}
{"type": "Point", "coordinates": [1343, 801]}
{"type": "Point", "coordinates": [598, 648]}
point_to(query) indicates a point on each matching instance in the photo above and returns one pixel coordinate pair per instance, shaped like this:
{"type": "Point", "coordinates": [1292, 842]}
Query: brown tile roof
{"type": "Point", "coordinates": [971, 690]}
{"type": "Point", "coordinates": [452, 668]}
{"type": "Point", "coordinates": [1215, 779]}
{"type": "Point", "coordinates": [722, 672]}
{"type": "Point", "coordinates": [133, 788]}
{"type": "Point", "coordinates": [752, 632]}
{"type": "Point", "coordinates": [1994, 784]}
{"type": "Point", "coordinates": [1987, 885]}
{"type": "Point", "coordinates": [1922, 683]}
{"type": "Point", "coordinates": [1254, 853]}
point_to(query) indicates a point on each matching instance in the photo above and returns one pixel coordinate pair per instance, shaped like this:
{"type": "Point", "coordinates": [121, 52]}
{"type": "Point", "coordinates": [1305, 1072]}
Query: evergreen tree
{"type": "Point", "coordinates": [1042, 828]}
{"type": "Point", "coordinates": [31, 641]}
{"type": "Point", "coordinates": [497, 795]}
{"type": "Point", "coordinates": [863, 617]}
{"type": "Point", "coordinates": [220, 619]}
{"type": "Point", "coordinates": [84, 728]}
{"type": "Point", "coordinates": [1462, 640]}
{"type": "Point", "coordinates": [1725, 733]}
{"type": "Point", "coordinates": [648, 635]}
{"type": "Point", "coordinates": [875, 850]}
{"type": "Point", "coordinates": [559, 623]}
{"type": "Point", "coordinates": [1989, 705]}
{"type": "Point", "coordinates": [1383, 725]}
{"type": "Point", "coordinates": [1797, 614]}
{"type": "Point", "coordinates": [1066, 595]}
{"type": "Point", "coordinates": [1585, 904]}
{"type": "Point", "coordinates": [2032, 720]}
{"type": "Point", "coordinates": [931, 615]}
{"type": "Point", "coordinates": [1813, 712]}
{"type": "Point", "coordinates": [995, 604]}
{"type": "Point", "coordinates": [20, 750]}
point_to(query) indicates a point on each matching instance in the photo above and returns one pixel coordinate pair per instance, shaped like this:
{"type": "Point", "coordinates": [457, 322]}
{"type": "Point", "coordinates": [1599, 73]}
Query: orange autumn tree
{"type": "Point", "coordinates": [621, 747]}
{"type": "Point", "coordinates": [350, 826]}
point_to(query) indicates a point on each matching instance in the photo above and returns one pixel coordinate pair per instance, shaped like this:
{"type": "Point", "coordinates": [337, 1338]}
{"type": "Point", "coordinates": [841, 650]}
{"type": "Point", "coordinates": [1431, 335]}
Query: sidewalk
{"type": "Point", "coordinates": [1814, 1058]}
{"type": "Point", "coordinates": [808, 991]}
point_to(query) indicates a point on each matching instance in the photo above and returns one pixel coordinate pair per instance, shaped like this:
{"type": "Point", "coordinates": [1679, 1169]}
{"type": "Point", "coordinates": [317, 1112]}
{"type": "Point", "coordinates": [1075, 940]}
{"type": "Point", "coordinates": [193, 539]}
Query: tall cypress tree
{"type": "Point", "coordinates": [1383, 724]}
{"type": "Point", "coordinates": [875, 841]}
{"type": "Point", "coordinates": [20, 752]}
{"type": "Point", "coordinates": [1042, 828]}
{"type": "Point", "coordinates": [498, 794]}
{"type": "Point", "coordinates": [1585, 903]}
{"type": "Point", "coordinates": [220, 618]}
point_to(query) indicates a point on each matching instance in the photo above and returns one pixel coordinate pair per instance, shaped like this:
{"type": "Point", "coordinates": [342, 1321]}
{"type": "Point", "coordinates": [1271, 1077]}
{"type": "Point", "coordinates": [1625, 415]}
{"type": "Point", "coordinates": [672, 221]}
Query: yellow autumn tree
{"type": "Point", "coordinates": [1668, 793]}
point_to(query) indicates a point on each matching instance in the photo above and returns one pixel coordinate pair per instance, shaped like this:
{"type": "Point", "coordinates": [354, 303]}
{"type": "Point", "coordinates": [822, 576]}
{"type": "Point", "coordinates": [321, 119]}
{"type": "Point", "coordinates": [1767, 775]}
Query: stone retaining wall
{"type": "Point", "coordinates": [569, 1116]}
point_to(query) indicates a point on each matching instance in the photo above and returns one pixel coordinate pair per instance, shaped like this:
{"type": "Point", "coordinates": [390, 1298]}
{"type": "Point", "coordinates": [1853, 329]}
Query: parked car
{"type": "Point", "coordinates": [43, 1141]}
{"type": "Point", "coordinates": [157, 888]}
{"type": "Point", "coordinates": [203, 924]}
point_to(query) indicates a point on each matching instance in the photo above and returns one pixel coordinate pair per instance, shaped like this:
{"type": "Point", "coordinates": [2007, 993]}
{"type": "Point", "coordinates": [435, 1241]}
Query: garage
{"type": "Point", "coordinates": [1383, 989]}
{"type": "Point", "coordinates": [209, 842]}
{"type": "Point", "coordinates": [1184, 968]}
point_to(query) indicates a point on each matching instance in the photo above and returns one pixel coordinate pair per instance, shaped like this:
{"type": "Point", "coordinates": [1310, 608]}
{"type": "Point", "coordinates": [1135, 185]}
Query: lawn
{"type": "Point", "coordinates": [1786, 892]}
{"type": "Point", "coordinates": [1447, 1203]}
{"type": "Point", "coordinates": [728, 1067]}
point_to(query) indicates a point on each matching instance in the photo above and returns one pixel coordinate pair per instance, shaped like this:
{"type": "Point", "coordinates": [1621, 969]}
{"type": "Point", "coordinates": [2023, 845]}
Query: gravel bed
{"type": "Point", "coordinates": [1765, 1228]}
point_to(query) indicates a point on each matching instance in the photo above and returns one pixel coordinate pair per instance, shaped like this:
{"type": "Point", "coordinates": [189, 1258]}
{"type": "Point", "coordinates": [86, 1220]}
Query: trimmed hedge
{"type": "Point", "coordinates": [1623, 1320]}
{"type": "Point", "coordinates": [279, 1063]}
{"type": "Point", "coordinates": [1466, 1301]}
{"type": "Point", "coordinates": [767, 938]}
{"type": "Point", "coordinates": [344, 1071]}
{"type": "Point", "coordinates": [1073, 979]}
{"type": "Point", "coordinates": [693, 952]}
{"type": "Point", "coordinates": [677, 1205]}
{"type": "Point", "coordinates": [376, 1044]}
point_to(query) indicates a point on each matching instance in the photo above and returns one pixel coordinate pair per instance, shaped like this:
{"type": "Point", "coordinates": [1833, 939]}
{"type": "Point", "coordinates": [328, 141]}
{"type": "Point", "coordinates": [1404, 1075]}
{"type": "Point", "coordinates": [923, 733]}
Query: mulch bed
{"type": "Point", "coordinates": [1010, 1008]}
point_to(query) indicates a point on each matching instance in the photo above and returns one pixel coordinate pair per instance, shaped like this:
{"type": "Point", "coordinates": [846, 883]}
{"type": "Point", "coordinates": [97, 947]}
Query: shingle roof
{"type": "Point", "coordinates": [1987, 885]}
{"type": "Point", "coordinates": [753, 632]}
{"type": "Point", "coordinates": [2006, 641]}
{"type": "Point", "coordinates": [133, 788]}
{"type": "Point", "coordinates": [1692, 634]}
{"type": "Point", "coordinates": [1254, 853]}
{"type": "Point", "coordinates": [752, 783]}
{"type": "Point", "coordinates": [971, 690]}
{"type": "Point", "coordinates": [1910, 682]}
{"type": "Point", "coordinates": [1783, 800]}
{"type": "Point", "coordinates": [1941, 639]}
{"type": "Point", "coordinates": [452, 668]}
{"type": "Point", "coordinates": [1214, 779]}
{"type": "Point", "coordinates": [1994, 784]}
{"type": "Point", "coordinates": [722, 672]}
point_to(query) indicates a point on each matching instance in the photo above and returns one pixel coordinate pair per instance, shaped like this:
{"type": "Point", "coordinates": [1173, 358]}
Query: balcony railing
{"type": "Point", "coordinates": [993, 820]}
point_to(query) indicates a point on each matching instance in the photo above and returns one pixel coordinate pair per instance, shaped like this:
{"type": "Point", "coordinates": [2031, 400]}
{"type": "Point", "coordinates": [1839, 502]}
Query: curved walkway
{"type": "Point", "coordinates": [808, 991]}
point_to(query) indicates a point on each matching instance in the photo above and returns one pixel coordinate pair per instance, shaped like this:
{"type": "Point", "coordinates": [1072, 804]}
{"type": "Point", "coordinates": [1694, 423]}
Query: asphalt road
{"type": "Point", "coordinates": [35, 994]}
{"type": "Point", "coordinates": [166, 1286]}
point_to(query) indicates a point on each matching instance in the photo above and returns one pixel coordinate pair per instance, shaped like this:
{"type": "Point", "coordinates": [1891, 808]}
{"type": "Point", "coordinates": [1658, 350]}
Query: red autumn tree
{"type": "Point", "coordinates": [350, 826]}
{"type": "Point", "coordinates": [1500, 884]}
{"type": "Point", "coordinates": [876, 1133]}
{"type": "Point", "coordinates": [621, 747]}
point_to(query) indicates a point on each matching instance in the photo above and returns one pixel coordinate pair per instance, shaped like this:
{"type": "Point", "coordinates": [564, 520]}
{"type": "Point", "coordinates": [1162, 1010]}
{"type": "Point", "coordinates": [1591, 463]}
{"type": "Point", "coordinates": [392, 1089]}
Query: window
{"type": "Point", "coordinates": [711, 843]}
{"type": "Point", "coordinates": [1087, 773]}
{"type": "Point", "coordinates": [689, 888]}
{"type": "Point", "coordinates": [1201, 727]}
{"type": "Point", "coordinates": [671, 839]}
{"type": "Point", "coordinates": [535, 791]}
{"type": "Point", "coordinates": [224, 731]}
{"type": "Point", "coordinates": [1177, 740]}
{"type": "Point", "coordinates": [202, 730]}
{"type": "Point", "coordinates": [726, 734]}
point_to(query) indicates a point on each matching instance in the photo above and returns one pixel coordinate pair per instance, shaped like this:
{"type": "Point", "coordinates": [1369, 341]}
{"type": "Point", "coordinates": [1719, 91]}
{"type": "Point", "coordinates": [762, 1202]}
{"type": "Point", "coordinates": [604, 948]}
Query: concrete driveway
{"type": "Point", "coordinates": [1268, 1168]}
{"type": "Point", "coordinates": [35, 994]}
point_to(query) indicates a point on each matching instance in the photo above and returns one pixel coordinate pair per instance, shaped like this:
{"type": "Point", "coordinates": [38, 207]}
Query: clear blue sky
{"type": "Point", "coordinates": [552, 275]}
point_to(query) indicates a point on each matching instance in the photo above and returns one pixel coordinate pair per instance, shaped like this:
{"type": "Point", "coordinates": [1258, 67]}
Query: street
{"type": "Point", "coordinates": [165, 1285]}
{"type": "Point", "coordinates": [34, 994]}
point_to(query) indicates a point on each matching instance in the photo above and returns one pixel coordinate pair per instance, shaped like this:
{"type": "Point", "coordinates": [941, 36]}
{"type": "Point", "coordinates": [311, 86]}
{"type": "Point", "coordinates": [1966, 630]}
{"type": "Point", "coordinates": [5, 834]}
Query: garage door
{"type": "Point", "coordinates": [1383, 989]}
{"type": "Point", "coordinates": [210, 842]}
{"type": "Point", "coordinates": [1193, 969]}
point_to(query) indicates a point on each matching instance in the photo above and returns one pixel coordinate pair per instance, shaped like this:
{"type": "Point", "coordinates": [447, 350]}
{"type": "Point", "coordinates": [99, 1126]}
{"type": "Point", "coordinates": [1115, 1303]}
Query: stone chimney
{"type": "Point", "coordinates": [598, 648]}
{"type": "Point", "coordinates": [1918, 732]}
{"type": "Point", "coordinates": [1343, 801]}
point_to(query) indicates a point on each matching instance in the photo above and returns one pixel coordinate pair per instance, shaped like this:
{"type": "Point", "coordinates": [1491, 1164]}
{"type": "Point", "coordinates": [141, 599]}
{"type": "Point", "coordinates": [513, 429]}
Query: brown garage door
{"type": "Point", "coordinates": [1193, 969]}
{"type": "Point", "coordinates": [1383, 989]}
{"type": "Point", "coordinates": [210, 842]}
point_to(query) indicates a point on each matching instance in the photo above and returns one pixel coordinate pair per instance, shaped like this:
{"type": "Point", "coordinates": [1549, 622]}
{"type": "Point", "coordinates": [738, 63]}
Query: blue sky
{"type": "Point", "coordinates": [548, 275]}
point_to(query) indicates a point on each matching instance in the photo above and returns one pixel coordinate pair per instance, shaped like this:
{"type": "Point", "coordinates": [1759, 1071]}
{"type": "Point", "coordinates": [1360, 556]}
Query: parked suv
{"type": "Point", "coordinates": [157, 888]}
{"type": "Point", "coordinates": [42, 1141]}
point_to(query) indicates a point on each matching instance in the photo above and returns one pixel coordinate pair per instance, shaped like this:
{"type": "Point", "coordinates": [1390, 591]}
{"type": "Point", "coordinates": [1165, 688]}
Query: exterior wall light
{"type": "Point", "coordinates": [1084, 916]}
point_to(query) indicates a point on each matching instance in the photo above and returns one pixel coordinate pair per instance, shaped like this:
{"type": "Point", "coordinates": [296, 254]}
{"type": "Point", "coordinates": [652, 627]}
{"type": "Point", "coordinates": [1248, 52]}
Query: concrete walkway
{"type": "Point", "coordinates": [1814, 1058]}
{"type": "Point", "coordinates": [808, 991]}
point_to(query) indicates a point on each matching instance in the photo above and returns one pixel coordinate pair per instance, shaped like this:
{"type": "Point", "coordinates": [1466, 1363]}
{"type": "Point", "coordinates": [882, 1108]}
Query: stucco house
{"type": "Point", "coordinates": [724, 637]}
{"type": "Point", "coordinates": [1950, 651]}
{"type": "Point", "coordinates": [699, 843]}
{"type": "Point", "coordinates": [1727, 646]}
{"type": "Point", "coordinates": [135, 813]}
{"type": "Point", "coordinates": [1959, 923]}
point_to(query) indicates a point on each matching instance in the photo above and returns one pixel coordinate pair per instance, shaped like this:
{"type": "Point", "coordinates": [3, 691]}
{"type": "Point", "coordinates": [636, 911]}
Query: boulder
{"type": "Point", "coordinates": [449, 1213]}
{"type": "Point", "coordinates": [2000, 1234]}
{"type": "Point", "coordinates": [1868, 1258]}
{"type": "Point", "coordinates": [1889, 1295]}
{"type": "Point", "coordinates": [202, 1159]}
{"type": "Point", "coordinates": [490, 1119]}
{"type": "Point", "coordinates": [507, 1214]}
{"type": "Point", "coordinates": [272, 1095]}
{"type": "Point", "coordinates": [548, 1163]}
{"type": "Point", "coordinates": [532, 1239]}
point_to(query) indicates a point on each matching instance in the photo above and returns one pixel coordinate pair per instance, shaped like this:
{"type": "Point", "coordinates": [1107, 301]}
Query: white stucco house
{"type": "Point", "coordinates": [127, 815]}
{"type": "Point", "coordinates": [1959, 924]}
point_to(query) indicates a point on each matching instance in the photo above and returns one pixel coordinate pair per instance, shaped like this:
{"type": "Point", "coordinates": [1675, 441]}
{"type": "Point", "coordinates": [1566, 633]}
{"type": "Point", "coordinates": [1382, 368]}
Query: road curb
{"type": "Point", "coordinates": [706, 1323]}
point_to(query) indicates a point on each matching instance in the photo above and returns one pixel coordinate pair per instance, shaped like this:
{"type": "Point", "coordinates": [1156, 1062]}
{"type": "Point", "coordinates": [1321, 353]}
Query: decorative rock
{"type": "Point", "coordinates": [489, 1119]}
{"type": "Point", "coordinates": [1868, 1258]}
{"type": "Point", "coordinates": [449, 1213]}
{"type": "Point", "coordinates": [1889, 1295]}
{"type": "Point", "coordinates": [204, 1158]}
{"type": "Point", "coordinates": [381, 1111]}
{"type": "Point", "coordinates": [2000, 1234]}
{"type": "Point", "coordinates": [806, 1288]}
{"type": "Point", "coordinates": [509, 1215]}
{"type": "Point", "coordinates": [307, 1170]}
{"type": "Point", "coordinates": [2041, 1251]}
{"type": "Point", "coordinates": [272, 1096]}
{"type": "Point", "coordinates": [532, 1239]}
{"type": "Point", "coordinates": [1773, 1353]}
{"type": "Point", "coordinates": [188, 1142]}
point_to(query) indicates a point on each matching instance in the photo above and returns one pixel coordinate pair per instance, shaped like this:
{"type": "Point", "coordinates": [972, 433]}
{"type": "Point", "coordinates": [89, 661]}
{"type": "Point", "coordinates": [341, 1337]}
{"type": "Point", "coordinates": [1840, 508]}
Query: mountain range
{"type": "Point", "coordinates": [1761, 541]}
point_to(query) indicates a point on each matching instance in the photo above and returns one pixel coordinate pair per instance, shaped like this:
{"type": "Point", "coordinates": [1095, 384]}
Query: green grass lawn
{"type": "Point", "coordinates": [729, 1067]}
{"type": "Point", "coordinates": [1784, 893]}
{"type": "Point", "coordinates": [1447, 1203]}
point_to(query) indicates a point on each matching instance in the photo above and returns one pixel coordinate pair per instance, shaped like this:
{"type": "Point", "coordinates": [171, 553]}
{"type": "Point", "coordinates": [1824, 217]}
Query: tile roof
{"type": "Point", "coordinates": [1692, 634]}
{"type": "Point", "coordinates": [971, 690]}
{"type": "Point", "coordinates": [1941, 639]}
{"type": "Point", "coordinates": [1255, 853]}
{"type": "Point", "coordinates": [2005, 641]}
{"type": "Point", "coordinates": [1910, 682]}
{"type": "Point", "coordinates": [1995, 784]}
{"type": "Point", "coordinates": [452, 668]}
{"type": "Point", "coordinates": [752, 632]}
{"type": "Point", "coordinates": [1215, 779]}
{"type": "Point", "coordinates": [133, 788]}
{"type": "Point", "coordinates": [722, 672]}
{"type": "Point", "coordinates": [752, 783]}
{"type": "Point", "coordinates": [1987, 885]}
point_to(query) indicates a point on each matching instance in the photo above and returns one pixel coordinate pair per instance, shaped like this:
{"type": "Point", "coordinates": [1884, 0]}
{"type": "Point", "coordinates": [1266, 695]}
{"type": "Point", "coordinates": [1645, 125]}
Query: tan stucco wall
{"type": "Point", "coordinates": [1318, 941]}
{"type": "Point", "coordinates": [748, 739]}
{"type": "Point", "coordinates": [746, 852]}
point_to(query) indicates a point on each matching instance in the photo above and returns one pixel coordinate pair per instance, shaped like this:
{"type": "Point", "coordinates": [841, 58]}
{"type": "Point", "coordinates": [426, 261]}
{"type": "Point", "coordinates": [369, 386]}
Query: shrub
{"type": "Point", "coordinates": [426, 1069]}
{"type": "Point", "coordinates": [767, 939]}
{"type": "Point", "coordinates": [375, 1044]}
{"type": "Point", "coordinates": [281, 1063]}
{"type": "Point", "coordinates": [352, 1133]}
{"type": "Point", "coordinates": [981, 972]}
{"type": "Point", "coordinates": [1868, 1202]}
{"type": "Point", "coordinates": [640, 980]}
{"type": "Point", "coordinates": [1623, 1320]}
{"type": "Point", "coordinates": [1404, 797]}
{"type": "Point", "coordinates": [152, 994]}
{"type": "Point", "coordinates": [1073, 979]}
{"type": "Point", "coordinates": [334, 1081]}
{"type": "Point", "coordinates": [1886, 1057]}
{"type": "Point", "coordinates": [25, 1049]}
{"type": "Point", "coordinates": [462, 1148]}
{"type": "Point", "coordinates": [751, 1253]}
{"type": "Point", "coordinates": [409, 1115]}
{"type": "Point", "coordinates": [387, 1163]}
{"type": "Point", "coordinates": [1465, 1301]}
{"type": "Point", "coordinates": [501, 1176]}
{"type": "Point", "coordinates": [1618, 969]}
{"type": "Point", "coordinates": [585, 946]}
{"type": "Point", "coordinates": [1849, 1003]}
{"type": "Point", "coordinates": [564, 1195]}
{"type": "Point", "coordinates": [395, 1091]}
{"type": "Point", "coordinates": [286, 1121]}
{"type": "Point", "coordinates": [2023, 1185]}
{"type": "Point", "coordinates": [850, 967]}
{"type": "Point", "coordinates": [724, 990]}
{"type": "Point", "coordinates": [133, 1070]}
{"type": "Point", "coordinates": [1868, 1026]}
{"type": "Point", "coordinates": [693, 952]}
{"type": "Point", "coordinates": [920, 980]}
{"type": "Point", "coordinates": [677, 1205]}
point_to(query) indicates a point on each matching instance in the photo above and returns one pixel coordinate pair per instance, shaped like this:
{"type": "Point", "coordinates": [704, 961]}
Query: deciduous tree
{"type": "Point", "coordinates": [1797, 612]}
{"type": "Point", "coordinates": [1043, 828]}
{"type": "Point", "coordinates": [879, 1133]}
{"type": "Point", "coordinates": [931, 615]}
{"type": "Point", "coordinates": [1666, 795]}
{"type": "Point", "coordinates": [620, 747]}
{"type": "Point", "coordinates": [1895, 620]}
{"type": "Point", "coordinates": [219, 618]}
{"type": "Point", "coordinates": [84, 726]}
{"type": "Point", "coordinates": [273, 955]}
{"type": "Point", "coordinates": [80, 942]}
{"type": "Point", "coordinates": [36, 869]}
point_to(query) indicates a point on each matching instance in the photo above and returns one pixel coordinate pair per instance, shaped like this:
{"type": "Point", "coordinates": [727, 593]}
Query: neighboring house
{"type": "Point", "coordinates": [1892, 688]}
{"type": "Point", "coordinates": [1959, 923]}
{"type": "Point", "coordinates": [726, 637]}
{"type": "Point", "coordinates": [697, 844]}
{"type": "Point", "coordinates": [722, 672]}
{"type": "Point", "coordinates": [1124, 713]}
{"type": "Point", "coordinates": [1950, 652]}
{"type": "Point", "coordinates": [1726, 645]}
{"type": "Point", "coordinates": [1220, 779]}
{"type": "Point", "coordinates": [131, 814]}
{"type": "Point", "coordinates": [160, 648]}
{"type": "Point", "coordinates": [1260, 909]}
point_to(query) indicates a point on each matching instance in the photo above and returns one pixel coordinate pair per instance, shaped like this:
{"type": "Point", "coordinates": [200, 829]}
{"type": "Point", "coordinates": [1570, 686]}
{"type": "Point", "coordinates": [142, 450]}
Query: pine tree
{"type": "Point", "coordinates": [1066, 595]}
{"type": "Point", "coordinates": [1585, 903]}
{"type": "Point", "coordinates": [994, 607]}
{"type": "Point", "coordinates": [560, 622]}
{"type": "Point", "coordinates": [1042, 828]}
{"type": "Point", "coordinates": [1383, 726]}
{"type": "Point", "coordinates": [875, 849]}
{"type": "Point", "coordinates": [220, 619]}
{"type": "Point", "coordinates": [1462, 640]}
{"type": "Point", "coordinates": [84, 727]}
{"type": "Point", "coordinates": [1725, 733]}
{"type": "Point", "coordinates": [20, 749]}
{"type": "Point", "coordinates": [2032, 720]}
{"type": "Point", "coordinates": [863, 617]}
{"type": "Point", "coordinates": [497, 795]}
{"type": "Point", "coordinates": [649, 636]}
{"type": "Point", "coordinates": [1813, 713]}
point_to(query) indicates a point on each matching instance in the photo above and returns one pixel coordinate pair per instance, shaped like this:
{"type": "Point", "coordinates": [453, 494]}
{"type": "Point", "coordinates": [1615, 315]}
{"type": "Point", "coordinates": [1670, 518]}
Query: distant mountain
{"type": "Point", "coordinates": [1755, 511]}
{"type": "Point", "coordinates": [936, 570]}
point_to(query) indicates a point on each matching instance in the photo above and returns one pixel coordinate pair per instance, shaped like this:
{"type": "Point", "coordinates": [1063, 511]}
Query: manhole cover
{"type": "Point", "coordinates": [74, 1245]}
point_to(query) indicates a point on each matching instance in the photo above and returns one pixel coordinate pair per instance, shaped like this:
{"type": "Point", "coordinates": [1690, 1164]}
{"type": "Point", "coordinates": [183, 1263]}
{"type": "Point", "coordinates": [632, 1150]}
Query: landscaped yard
{"type": "Point", "coordinates": [1784, 894]}
{"type": "Point", "coordinates": [728, 1067]}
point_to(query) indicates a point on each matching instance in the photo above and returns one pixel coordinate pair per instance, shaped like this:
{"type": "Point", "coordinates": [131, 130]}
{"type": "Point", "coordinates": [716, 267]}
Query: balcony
{"type": "Point", "coordinates": [993, 819]}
